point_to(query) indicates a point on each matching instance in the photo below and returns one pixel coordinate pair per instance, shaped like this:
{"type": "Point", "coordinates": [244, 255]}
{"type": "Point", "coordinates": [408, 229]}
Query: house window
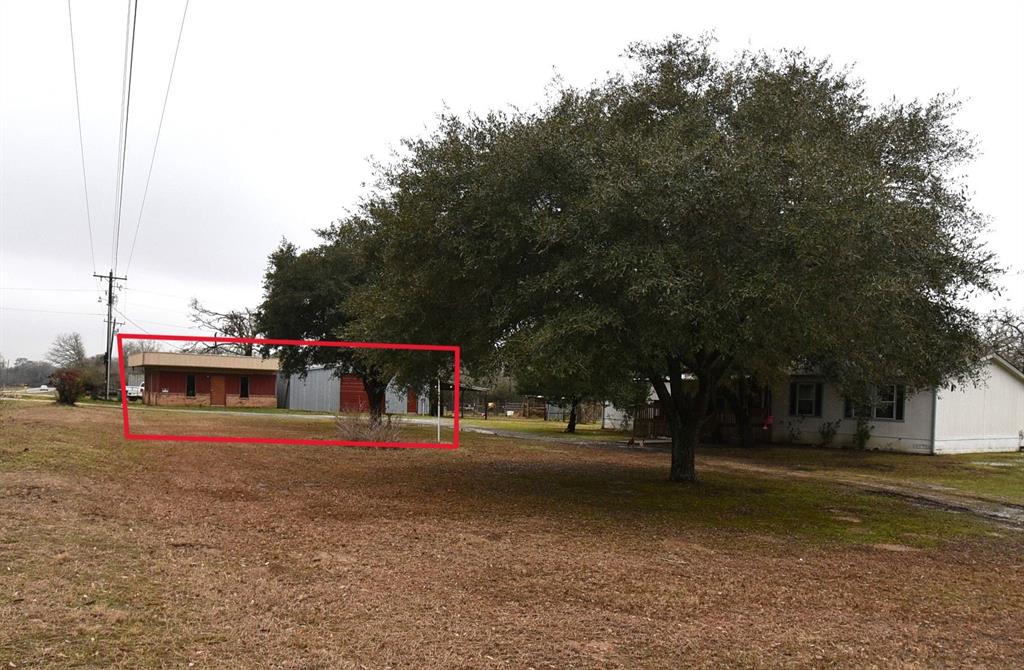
{"type": "Point", "coordinates": [190, 386]}
{"type": "Point", "coordinates": [889, 403]}
{"type": "Point", "coordinates": [805, 399]}
{"type": "Point", "coordinates": [243, 390]}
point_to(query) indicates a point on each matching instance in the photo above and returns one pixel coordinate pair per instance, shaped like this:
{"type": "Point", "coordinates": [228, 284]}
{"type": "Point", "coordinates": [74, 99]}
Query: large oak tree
{"type": "Point", "coordinates": [692, 218]}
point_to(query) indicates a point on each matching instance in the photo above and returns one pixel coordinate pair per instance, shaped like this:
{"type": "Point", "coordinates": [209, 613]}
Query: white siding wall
{"type": "Point", "coordinates": [986, 417]}
{"type": "Point", "coordinates": [617, 419]}
{"type": "Point", "coordinates": [912, 434]}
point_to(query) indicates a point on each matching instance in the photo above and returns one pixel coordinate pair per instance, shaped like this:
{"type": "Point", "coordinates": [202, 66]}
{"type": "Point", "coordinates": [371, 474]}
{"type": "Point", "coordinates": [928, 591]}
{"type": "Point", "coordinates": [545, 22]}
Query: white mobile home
{"type": "Point", "coordinates": [987, 416]}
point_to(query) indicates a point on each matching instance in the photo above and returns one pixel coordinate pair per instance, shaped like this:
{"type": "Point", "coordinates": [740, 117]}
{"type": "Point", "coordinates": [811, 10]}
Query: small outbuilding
{"type": "Point", "coordinates": [206, 379]}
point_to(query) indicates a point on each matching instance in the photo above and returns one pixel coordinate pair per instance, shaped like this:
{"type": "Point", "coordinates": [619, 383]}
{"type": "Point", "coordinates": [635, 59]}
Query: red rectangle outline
{"type": "Point", "coordinates": [129, 435]}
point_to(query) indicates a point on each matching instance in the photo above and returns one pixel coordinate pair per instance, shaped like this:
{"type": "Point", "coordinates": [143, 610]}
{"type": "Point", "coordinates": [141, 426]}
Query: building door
{"type": "Point", "coordinates": [353, 395]}
{"type": "Point", "coordinates": [217, 390]}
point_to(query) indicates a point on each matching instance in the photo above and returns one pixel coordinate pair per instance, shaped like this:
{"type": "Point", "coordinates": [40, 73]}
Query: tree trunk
{"type": "Point", "coordinates": [741, 402]}
{"type": "Point", "coordinates": [571, 428]}
{"type": "Point", "coordinates": [376, 393]}
{"type": "Point", "coordinates": [686, 413]}
{"type": "Point", "coordinates": [685, 433]}
{"type": "Point", "coordinates": [744, 431]}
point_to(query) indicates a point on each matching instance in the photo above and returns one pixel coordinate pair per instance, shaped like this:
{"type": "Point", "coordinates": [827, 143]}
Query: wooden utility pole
{"type": "Point", "coordinates": [110, 326]}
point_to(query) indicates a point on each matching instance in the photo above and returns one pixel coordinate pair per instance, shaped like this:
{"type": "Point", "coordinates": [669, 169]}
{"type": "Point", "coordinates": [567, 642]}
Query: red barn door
{"type": "Point", "coordinates": [353, 395]}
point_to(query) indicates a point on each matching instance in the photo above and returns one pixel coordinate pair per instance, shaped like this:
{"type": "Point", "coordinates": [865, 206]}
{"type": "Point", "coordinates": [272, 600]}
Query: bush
{"type": "Point", "coordinates": [862, 433]}
{"type": "Point", "coordinates": [70, 385]}
{"type": "Point", "coordinates": [361, 429]}
{"type": "Point", "coordinates": [828, 431]}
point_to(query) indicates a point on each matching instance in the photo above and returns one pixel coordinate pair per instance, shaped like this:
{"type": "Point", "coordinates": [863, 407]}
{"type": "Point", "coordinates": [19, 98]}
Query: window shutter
{"type": "Point", "coordinates": [817, 398]}
{"type": "Point", "coordinates": [792, 398]}
{"type": "Point", "coordinates": [900, 398]}
{"type": "Point", "coordinates": [847, 408]}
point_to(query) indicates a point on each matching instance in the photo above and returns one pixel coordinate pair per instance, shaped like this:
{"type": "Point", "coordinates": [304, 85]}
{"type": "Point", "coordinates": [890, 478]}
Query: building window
{"type": "Point", "coordinates": [243, 387]}
{"type": "Point", "coordinates": [888, 404]}
{"type": "Point", "coordinates": [190, 386]}
{"type": "Point", "coordinates": [805, 399]}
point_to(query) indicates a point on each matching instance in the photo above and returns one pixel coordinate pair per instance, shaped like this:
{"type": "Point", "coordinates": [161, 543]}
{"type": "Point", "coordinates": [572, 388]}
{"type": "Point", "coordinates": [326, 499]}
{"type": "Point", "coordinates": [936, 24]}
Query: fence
{"type": "Point", "coordinates": [649, 421]}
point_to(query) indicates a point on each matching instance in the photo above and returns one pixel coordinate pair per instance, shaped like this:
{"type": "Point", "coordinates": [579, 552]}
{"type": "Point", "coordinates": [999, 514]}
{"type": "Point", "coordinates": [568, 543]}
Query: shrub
{"type": "Point", "coordinates": [70, 385]}
{"type": "Point", "coordinates": [862, 433]}
{"type": "Point", "coordinates": [828, 431]}
{"type": "Point", "coordinates": [793, 426]}
{"type": "Point", "coordinates": [361, 429]}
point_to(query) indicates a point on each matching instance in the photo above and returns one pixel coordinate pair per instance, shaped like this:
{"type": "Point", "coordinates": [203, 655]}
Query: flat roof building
{"type": "Point", "coordinates": [206, 379]}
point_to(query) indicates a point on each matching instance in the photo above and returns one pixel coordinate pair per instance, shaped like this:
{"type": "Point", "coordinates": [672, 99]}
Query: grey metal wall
{"type": "Point", "coordinates": [395, 400]}
{"type": "Point", "coordinates": [319, 391]}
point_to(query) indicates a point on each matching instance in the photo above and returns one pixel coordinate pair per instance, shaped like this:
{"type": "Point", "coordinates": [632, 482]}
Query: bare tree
{"type": "Point", "coordinates": [141, 347]}
{"type": "Point", "coordinates": [67, 351]}
{"type": "Point", "coordinates": [1004, 334]}
{"type": "Point", "coordinates": [235, 323]}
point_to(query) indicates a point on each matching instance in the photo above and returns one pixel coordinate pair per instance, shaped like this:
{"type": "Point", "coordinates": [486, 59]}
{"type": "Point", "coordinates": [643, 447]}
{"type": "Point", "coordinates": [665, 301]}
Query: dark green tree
{"type": "Point", "coordinates": [697, 217]}
{"type": "Point", "coordinates": [306, 295]}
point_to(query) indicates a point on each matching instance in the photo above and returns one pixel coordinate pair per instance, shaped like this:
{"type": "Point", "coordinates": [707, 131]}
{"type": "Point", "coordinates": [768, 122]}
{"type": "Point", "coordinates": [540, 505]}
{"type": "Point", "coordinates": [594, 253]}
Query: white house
{"type": "Point", "coordinates": [987, 416]}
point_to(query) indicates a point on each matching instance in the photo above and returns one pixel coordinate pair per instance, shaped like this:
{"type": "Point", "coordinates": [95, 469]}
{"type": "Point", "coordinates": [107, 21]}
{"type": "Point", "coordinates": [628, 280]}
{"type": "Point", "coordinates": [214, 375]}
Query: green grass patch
{"type": "Point", "coordinates": [609, 498]}
{"type": "Point", "coordinates": [584, 431]}
{"type": "Point", "coordinates": [809, 511]}
{"type": "Point", "coordinates": [996, 476]}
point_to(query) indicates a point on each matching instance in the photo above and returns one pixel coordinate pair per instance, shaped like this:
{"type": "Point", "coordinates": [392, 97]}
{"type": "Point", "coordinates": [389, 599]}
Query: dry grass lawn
{"type": "Point", "coordinates": [503, 554]}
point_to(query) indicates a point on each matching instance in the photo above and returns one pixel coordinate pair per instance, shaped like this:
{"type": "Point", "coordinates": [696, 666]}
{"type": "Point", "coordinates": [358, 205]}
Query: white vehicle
{"type": "Point", "coordinates": [134, 392]}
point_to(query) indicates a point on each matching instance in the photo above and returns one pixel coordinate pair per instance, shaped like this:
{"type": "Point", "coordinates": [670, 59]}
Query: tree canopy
{"type": "Point", "coordinates": [67, 351]}
{"type": "Point", "coordinates": [240, 323]}
{"type": "Point", "coordinates": [692, 220]}
{"type": "Point", "coordinates": [692, 215]}
{"type": "Point", "coordinates": [306, 296]}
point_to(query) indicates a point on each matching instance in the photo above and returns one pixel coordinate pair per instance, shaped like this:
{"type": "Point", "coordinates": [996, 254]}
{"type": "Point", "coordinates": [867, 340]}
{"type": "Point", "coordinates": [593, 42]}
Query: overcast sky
{"type": "Point", "coordinates": [276, 109]}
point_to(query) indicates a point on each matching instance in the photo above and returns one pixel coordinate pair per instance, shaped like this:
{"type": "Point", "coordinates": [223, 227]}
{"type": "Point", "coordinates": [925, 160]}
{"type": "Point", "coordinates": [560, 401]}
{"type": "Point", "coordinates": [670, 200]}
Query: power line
{"type": "Point", "coordinates": [136, 324]}
{"type": "Point", "coordinates": [35, 288]}
{"type": "Point", "coordinates": [51, 311]}
{"type": "Point", "coordinates": [159, 127]}
{"type": "Point", "coordinates": [90, 290]}
{"type": "Point", "coordinates": [127, 94]}
{"type": "Point", "coordinates": [81, 141]}
{"type": "Point", "coordinates": [120, 130]}
{"type": "Point", "coordinates": [166, 295]}
{"type": "Point", "coordinates": [161, 323]}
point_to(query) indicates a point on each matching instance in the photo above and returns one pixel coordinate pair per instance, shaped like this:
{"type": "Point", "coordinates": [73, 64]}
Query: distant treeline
{"type": "Point", "coordinates": [24, 372]}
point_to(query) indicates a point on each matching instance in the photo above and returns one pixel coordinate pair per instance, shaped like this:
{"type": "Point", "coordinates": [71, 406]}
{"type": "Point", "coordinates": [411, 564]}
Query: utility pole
{"type": "Point", "coordinates": [110, 325]}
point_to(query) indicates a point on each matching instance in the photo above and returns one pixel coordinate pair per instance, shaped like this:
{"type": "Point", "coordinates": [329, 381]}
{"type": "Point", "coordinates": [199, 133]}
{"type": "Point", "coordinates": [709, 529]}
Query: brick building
{"type": "Point", "coordinates": [205, 379]}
